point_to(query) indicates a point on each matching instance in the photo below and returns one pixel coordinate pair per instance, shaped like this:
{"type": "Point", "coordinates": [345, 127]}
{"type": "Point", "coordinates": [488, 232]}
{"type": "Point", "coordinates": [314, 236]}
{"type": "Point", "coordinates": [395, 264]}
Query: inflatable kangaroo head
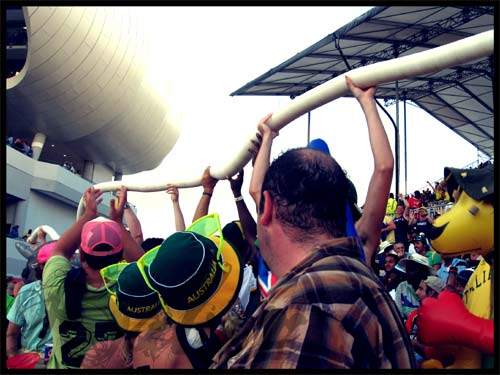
{"type": "Point", "coordinates": [468, 226]}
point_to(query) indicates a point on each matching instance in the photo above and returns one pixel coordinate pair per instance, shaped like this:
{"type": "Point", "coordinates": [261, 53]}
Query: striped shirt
{"type": "Point", "coordinates": [330, 311]}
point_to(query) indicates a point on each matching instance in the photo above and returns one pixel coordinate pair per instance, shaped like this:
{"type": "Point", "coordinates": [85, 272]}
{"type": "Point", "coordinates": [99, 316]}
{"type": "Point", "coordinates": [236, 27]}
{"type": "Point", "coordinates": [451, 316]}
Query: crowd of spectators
{"type": "Point", "coordinates": [311, 283]}
{"type": "Point", "coordinates": [21, 145]}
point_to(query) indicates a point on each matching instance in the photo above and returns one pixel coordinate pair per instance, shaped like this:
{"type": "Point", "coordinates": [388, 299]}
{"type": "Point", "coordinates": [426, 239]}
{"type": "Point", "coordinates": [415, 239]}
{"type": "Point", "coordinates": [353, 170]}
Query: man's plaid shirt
{"type": "Point", "coordinates": [330, 311]}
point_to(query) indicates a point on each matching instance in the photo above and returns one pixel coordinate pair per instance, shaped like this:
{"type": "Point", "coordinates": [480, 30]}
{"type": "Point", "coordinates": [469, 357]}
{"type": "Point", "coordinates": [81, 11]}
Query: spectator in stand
{"type": "Point", "coordinates": [196, 290]}
{"type": "Point", "coordinates": [448, 262]}
{"type": "Point", "coordinates": [384, 249]}
{"type": "Point", "coordinates": [426, 198]}
{"type": "Point", "coordinates": [393, 276]}
{"type": "Point", "coordinates": [28, 321]}
{"type": "Point", "coordinates": [390, 209]}
{"type": "Point", "coordinates": [135, 307]}
{"type": "Point", "coordinates": [439, 192]}
{"type": "Point", "coordinates": [17, 287]}
{"type": "Point", "coordinates": [422, 247]}
{"type": "Point", "coordinates": [430, 287]}
{"type": "Point", "coordinates": [401, 221]}
{"type": "Point", "coordinates": [301, 228]}
{"type": "Point", "coordinates": [9, 295]}
{"type": "Point", "coordinates": [380, 266]}
{"type": "Point", "coordinates": [14, 232]}
{"type": "Point", "coordinates": [421, 221]}
{"type": "Point", "coordinates": [387, 231]}
{"type": "Point", "coordinates": [26, 149]}
{"type": "Point", "coordinates": [420, 244]}
{"type": "Point", "coordinates": [391, 259]}
{"type": "Point", "coordinates": [18, 144]}
{"type": "Point", "coordinates": [412, 233]}
{"type": "Point", "coordinates": [415, 200]}
{"type": "Point", "coordinates": [417, 268]}
{"type": "Point", "coordinates": [442, 192]}
{"type": "Point", "coordinates": [434, 258]}
{"type": "Point", "coordinates": [76, 298]}
{"type": "Point", "coordinates": [399, 249]}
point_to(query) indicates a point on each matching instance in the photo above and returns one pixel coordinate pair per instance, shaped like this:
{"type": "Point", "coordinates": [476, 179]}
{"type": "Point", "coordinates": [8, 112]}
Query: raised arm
{"type": "Point", "coordinates": [412, 218]}
{"type": "Point", "coordinates": [12, 339]}
{"type": "Point", "coordinates": [390, 226]}
{"type": "Point", "coordinates": [133, 223]}
{"type": "Point", "coordinates": [70, 239]}
{"type": "Point", "coordinates": [368, 226]}
{"type": "Point", "coordinates": [248, 224]}
{"type": "Point", "coordinates": [208, 183]}
{"type": "Point", "coordinates": [180, 225]}
{"type": "Point", "coordinates": [132, 251]}
{"type": "Point", "coordinates": [266, 135]}
{"type": "Point", "coordinates": [432, 187]}
{"type": "Point", "coordinates": [406, 212]}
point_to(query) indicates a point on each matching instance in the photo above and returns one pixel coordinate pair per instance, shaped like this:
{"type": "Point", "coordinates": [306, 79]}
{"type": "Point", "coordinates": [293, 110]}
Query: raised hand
{"type": "Point", "coordinates": [116, 208]}
{"type": "Point", "coordinates": [92, 198]}
{"type": "Point", "coordinates": [174, 193]}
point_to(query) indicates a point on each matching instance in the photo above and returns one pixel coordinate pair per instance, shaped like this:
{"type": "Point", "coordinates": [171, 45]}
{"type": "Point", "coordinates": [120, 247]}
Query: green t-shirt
{"type": "Point", "coordinates": [433, 257]}
{"type": "Point", "coordinates": [8, 302]}
{"type": "Point", "coordinates": [72, 338]}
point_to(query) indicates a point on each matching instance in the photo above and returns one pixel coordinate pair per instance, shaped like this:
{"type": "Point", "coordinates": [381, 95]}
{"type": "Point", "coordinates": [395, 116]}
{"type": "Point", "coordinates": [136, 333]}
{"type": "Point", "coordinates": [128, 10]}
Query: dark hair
{"type": "Point", "coordinates": [309, 190]}
{"type": "Point", "coordinates": [396, 258]}
{"type": "Point", "coordinates": [99, 262]}
{"type": "Point", "coordinates": [151, 242]}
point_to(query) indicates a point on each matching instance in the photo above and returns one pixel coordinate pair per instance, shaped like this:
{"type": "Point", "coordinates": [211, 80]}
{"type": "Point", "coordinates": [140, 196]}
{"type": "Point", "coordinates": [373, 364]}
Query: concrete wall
{"type": "Point", "coordinates": [43, 194]}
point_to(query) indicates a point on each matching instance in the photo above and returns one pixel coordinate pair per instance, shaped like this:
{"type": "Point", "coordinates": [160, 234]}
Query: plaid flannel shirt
{"type": "Point", "coordinates": [330, 311]}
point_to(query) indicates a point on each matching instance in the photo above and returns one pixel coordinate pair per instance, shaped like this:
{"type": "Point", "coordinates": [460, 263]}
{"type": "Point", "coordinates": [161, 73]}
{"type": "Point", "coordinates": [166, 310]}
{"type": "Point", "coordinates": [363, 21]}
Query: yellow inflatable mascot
{"type": "Point", "coordinates": [463, 327]}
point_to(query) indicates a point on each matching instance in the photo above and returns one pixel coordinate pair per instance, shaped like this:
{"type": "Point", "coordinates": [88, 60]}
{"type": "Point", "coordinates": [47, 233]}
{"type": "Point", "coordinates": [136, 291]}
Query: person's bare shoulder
{"type": "Point", "coordinates": [106, 354]}
{"type": "Point", "coordinates": [159, 349]}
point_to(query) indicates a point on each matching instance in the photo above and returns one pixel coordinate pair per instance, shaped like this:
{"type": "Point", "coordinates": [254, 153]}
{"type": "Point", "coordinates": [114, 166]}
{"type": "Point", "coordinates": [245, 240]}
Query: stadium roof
{"type": "Point", "coordinates": [460, 97]}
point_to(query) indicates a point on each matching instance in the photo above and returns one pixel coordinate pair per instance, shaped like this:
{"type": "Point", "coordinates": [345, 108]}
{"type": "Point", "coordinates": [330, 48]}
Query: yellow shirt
{"type": "Point", "coordinates": [477, 292]}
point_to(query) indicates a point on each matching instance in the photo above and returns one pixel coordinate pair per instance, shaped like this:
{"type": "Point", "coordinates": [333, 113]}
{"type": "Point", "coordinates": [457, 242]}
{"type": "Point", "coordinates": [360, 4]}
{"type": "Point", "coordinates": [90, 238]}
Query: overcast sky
{"type": "Point", "coordinates": [202, 54]}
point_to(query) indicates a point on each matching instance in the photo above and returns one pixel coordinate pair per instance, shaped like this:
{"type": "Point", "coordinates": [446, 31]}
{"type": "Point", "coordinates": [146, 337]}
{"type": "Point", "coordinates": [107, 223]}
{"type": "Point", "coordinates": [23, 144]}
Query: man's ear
{"type": "Point", "coordinates": [267, 212]}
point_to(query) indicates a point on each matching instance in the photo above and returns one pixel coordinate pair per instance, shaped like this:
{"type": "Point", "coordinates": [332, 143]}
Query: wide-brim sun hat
{"type": "Point", "coordinates": [385, 246]}
{"type": "Point", "coordinates": [134, 305]}
{"type": "Point", "coordinates": [187, 272]}
{"type": "Point", "coordinates": [418, 259]}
